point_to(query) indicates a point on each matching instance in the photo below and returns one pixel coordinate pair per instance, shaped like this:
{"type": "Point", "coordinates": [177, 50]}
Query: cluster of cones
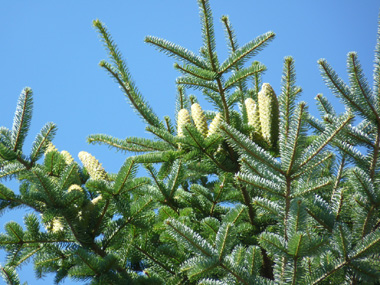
{"type": "Point", "coordinates": [94, 169]}
{"type": "Point", "coordinates": [262, 117]}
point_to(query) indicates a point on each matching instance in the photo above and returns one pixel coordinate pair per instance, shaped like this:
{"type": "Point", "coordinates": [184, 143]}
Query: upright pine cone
{"type": "Point", "coordinates": [75, 187]}
{"type": "Point", "coordinates": [253, 114]}
{"type": "Point", "coordinates": [183, 119]}
{"type": "Point", "coordinates": [268, 106]}
{"type": "Point", "coordinates": [92, 165]}
{"type": "Point", "coordinates": [54, 225]}
{"type": "Point", "coordinates": [67, 156]}
{"type": "Point", "coordinates": [96, 200]}
{"type": "Point", "coordinates": [50, 147]}
{"type": "Point", "coordinates": [199, 119]}
{"type": "Point", "coordinates": [214, 126]}
{"type": "Point", "coordinates": [57, 225]}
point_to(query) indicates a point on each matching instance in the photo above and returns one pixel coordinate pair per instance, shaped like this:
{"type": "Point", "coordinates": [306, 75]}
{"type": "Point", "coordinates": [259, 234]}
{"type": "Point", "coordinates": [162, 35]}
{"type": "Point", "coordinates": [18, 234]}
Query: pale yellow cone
{"type": "Point", "coordinates": [183, 119]}
{"type": "Point", "coordinates": [67, 156]}
{"type": "Point", "coordinates": [51, 147]}
{"type": "Point", "coordinates": [268, 106]}
{"type": "Point", "coordinates": [253, 114]}
{"type": "Point", "coordinates": [57, 225]}
{"type": "Point", "coordinates": [199, 119]}
{"type": "Point", "coordinates": [214, 126]}
{"type": "Point", "coordinates": [54, 225]}
{"type": "Point", "coordinates": [75, 187]}
{"type": "Point", "coordinates": [92, 165]}
{"type": "Point", "coordinates": [96, 200]}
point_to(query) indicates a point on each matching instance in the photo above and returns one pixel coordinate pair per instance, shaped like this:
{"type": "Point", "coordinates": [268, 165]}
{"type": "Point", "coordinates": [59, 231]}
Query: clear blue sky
{"type": "Point", "coordinates": [51, 47]}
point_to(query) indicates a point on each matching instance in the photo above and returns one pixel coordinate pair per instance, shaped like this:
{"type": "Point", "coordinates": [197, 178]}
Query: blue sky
{"type": "Point", "coordinates": [52, 47]}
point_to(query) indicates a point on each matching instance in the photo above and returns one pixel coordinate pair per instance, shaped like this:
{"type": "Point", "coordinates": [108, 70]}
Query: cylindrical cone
{"type": "Point", "coordinates": [75, 187]}
{"type": "Point", "coordinates": [51, 147]}
{"type": "Point", "coordinates": [183, 119]}
{"type": "Point", "coordinates": [268, 107]}
{"type": "Point", "coordinates": [199, 119]}
{"type": "Point", "coordinates": [214, 126]}
{"type": "Point", "coordinates": [94, 168]}
{"type": "Point", "coordinates": [67, 156]}
{"type": "Point", "coordinates": [253, 114]}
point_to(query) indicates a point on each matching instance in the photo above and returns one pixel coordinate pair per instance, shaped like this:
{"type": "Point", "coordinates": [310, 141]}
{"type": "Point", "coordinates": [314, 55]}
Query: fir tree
{"type": "Point", "coordinates": [243, 194]}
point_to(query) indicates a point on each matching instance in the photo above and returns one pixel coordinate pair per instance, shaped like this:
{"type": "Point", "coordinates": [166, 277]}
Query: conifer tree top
{"type": "Point", "coordinates": [250, 189]}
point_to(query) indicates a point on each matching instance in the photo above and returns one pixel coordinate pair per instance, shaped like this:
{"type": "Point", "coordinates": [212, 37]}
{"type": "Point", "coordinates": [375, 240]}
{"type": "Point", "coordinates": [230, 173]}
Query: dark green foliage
{"type": "Point", "coordinates": [220, 206]}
